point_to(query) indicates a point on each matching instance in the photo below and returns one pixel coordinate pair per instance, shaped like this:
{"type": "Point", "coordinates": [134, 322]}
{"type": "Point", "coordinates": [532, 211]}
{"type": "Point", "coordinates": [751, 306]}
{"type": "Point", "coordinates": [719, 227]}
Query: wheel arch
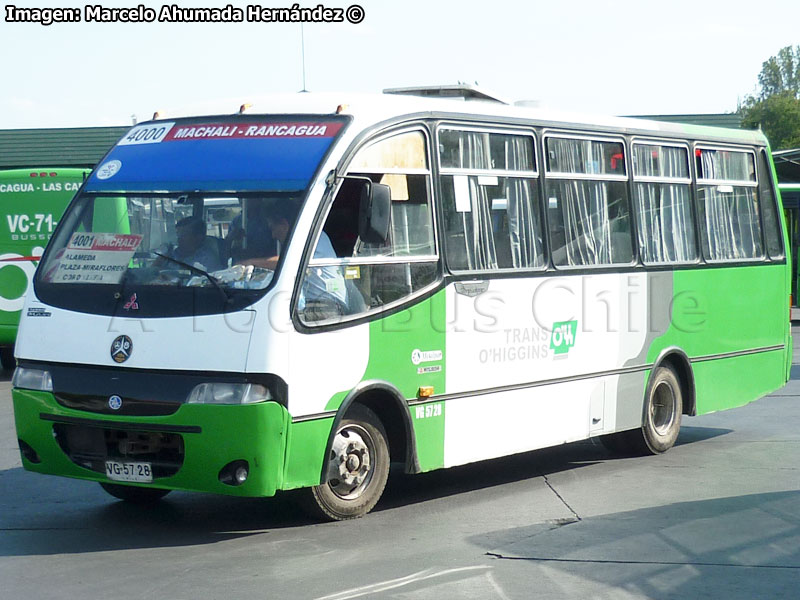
{"type": "Point", "coordinates": [391, 407]}
{"type": "Point", "coordinates": [679, 362]}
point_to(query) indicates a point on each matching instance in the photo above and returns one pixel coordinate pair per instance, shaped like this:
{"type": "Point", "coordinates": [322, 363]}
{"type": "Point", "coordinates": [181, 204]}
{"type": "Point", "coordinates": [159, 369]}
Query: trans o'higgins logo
{"type": "Point", "coordinates": [115, 402]}
{"type": "Point", "coordinates": [121, 349]}
{"type": "Point", "coordinates": [563, 336]}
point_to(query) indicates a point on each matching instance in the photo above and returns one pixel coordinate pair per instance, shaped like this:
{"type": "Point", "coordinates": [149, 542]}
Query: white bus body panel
{"type": "Point", "coordinates": [202, 343]}
{"type": "Point", "coordinates": [325, 364]}
{"type": "Point", "coordinates": [504, 337]}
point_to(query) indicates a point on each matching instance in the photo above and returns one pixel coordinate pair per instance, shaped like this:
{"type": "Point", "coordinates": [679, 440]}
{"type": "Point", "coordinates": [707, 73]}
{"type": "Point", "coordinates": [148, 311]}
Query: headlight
{"type": "Point", "coordinates": [32, 379]}
{"type": "Point", "coordinates": [228, 393]}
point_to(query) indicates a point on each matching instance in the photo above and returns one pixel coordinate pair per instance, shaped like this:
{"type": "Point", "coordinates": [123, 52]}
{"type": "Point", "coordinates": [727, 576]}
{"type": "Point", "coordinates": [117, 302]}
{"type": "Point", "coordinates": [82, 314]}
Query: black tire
{"type": "Point", "coordinates": [661, 420]}
{"type": "Point", "coordinates": [358, 467]}
{"type": "Point", "coordinates": [7, 359]}
{"type": "Point", "coordinates": [136, 495]}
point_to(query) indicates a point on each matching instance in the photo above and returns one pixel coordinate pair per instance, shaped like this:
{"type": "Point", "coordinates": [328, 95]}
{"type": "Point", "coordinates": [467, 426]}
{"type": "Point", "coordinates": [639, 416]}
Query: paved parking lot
{"type": "Point", "coordinates": [716, 517]}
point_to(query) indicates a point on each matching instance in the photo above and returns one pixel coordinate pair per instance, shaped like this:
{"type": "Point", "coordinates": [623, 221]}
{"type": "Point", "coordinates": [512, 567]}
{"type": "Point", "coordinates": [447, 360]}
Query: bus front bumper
{"type": "Point", "coordinates": [197, 448]}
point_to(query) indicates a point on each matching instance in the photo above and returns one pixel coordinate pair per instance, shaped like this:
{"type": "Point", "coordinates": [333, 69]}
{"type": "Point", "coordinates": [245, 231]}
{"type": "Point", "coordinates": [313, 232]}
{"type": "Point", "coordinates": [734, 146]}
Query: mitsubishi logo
{"type": "Point", "coordinates": [131, 304]}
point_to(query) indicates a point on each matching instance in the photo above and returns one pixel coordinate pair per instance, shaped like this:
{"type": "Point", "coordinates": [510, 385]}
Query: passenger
{"type": "Point", "coordinates": [194, 246]}
{"type": "Point", "coordinates": [254, 240]}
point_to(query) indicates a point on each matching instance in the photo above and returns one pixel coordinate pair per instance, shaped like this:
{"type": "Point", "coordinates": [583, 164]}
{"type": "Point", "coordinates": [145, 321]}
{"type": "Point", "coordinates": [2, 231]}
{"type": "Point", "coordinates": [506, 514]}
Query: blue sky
{"type": "Point", "coordinates": [622, 57]}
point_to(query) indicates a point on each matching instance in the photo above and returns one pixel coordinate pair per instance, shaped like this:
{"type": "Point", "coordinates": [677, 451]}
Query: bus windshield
{"type": "Point", "coordinates": [189, 240]}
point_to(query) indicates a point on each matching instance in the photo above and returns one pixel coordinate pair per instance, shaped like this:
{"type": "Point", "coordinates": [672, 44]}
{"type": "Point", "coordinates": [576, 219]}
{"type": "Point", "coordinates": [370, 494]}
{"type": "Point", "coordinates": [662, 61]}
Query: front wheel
{"type": "Point", "coordinates": [358, 467]}
{"type": "Point", "coordinates": [133, 494]}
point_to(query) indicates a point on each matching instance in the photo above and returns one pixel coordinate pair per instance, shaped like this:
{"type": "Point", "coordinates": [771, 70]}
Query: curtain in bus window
{"type": "Point", "coordinates": [522, 209]}
{"type": "Point", "coordinates": [731, 227]}
{"type": "Point", "coordinates": [666, 232]}
{"type": "Point", "coordinates": [727, 165]}
{"type": "Point", "coordinates": [589, 157]}
{"type": "Point", "coordinates": [492, 221]}
{"type": "Point", "coordinates": [583, 212]}
{"type": "Point", "coordinates": [591, 217]}
{"type": "Point", "coordinates": [470, 242]}
{"type": "Point", "coordinates": [481, 251]}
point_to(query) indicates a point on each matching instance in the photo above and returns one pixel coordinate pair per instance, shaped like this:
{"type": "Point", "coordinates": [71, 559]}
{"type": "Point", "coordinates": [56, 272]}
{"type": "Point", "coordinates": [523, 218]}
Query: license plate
{"type": "Point", "coordinates": [129, 471]}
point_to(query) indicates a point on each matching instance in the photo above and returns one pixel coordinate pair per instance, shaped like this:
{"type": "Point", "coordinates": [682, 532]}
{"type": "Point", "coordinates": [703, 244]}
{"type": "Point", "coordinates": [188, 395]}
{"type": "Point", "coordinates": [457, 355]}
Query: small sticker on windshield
{"type": "Point", "coordinates": [109, 169]}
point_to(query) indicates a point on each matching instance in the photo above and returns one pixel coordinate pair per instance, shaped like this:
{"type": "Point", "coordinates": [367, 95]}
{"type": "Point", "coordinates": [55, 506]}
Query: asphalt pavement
{"type": "Point", "coordinates": [718, 516]}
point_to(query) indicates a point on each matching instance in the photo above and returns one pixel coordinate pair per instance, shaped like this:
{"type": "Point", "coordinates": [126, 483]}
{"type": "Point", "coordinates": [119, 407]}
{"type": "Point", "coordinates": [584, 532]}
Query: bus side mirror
{"type": "Point", "coordinates": [374, 212]}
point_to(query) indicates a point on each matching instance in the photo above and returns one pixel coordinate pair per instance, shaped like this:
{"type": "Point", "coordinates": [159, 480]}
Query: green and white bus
{"type": "Point", "coordinates": [32, 201]}
{"type": "Point", "coordinates": [425, 281]}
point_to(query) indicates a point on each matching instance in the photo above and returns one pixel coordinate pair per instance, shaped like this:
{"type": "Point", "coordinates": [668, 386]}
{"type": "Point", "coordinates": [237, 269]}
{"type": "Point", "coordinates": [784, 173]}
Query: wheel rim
{"type": "Point", "coordinates": [350, 468]}
{"type": "Point", "coordinates": [662, 408]}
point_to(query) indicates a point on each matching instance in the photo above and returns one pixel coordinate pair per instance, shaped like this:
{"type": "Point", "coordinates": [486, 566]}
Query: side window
{"type": "Point", "coordinates": [348, 276]}
{"type": "Point", "coordinates": [727, 195]}
{"type": "Point", "coordinates": [772, 226]}
{"type": "Point", "coordinates": [587, 202]}
{"type": "Point", "coordinates": [663, 203]}
{"type": "Point", "coordinates": [490, 200]}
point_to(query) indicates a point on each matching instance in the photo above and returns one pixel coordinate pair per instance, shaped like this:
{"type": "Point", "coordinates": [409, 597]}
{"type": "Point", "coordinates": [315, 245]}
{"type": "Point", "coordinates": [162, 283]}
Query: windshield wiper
{"type": "Point", "coordinates": [198, 271]}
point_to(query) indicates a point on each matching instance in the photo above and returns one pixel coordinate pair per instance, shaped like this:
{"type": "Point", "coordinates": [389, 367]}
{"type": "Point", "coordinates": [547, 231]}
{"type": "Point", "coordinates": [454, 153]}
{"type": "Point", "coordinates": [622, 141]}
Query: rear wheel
{"type": "Point", "coordinates": [358, 467]}
{"type": "Point", "coordinates": [661, 421]}
{"type": "Point", "coordinates": [136, 495]}
{"type": "Point", "coordinates": [662, 414]}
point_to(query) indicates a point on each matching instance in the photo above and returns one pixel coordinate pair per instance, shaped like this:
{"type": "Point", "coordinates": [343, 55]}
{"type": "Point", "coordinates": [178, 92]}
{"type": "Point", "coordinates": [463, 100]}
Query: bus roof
{"type": "Point", "coordinates": [367, 109]}
{"type": "Point", "coordinates": [43, 172]}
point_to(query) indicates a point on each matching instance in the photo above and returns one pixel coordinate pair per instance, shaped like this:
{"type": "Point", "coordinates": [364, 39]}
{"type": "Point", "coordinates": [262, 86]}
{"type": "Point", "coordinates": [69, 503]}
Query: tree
{"type": "Point", "coordinates": [778, 116]}
{"type": "Point", "coordinates": [781, 73]}
{"type": "Point", "coordinates": [776, 107]}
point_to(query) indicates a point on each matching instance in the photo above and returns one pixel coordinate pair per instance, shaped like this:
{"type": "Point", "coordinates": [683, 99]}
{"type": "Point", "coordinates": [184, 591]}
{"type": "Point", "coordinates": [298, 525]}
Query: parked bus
{"type": "Point", "coordinates": [418, 280]}
{"type": "Point", "coordinates": [32, 201]}
{"type": "Point", "coordinates": [790, 196]}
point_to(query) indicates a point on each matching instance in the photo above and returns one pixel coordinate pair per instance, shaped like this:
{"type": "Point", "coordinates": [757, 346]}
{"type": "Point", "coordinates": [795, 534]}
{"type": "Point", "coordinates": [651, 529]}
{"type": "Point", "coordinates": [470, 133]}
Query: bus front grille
{"type": "Point", "coordinates": [90, 447]}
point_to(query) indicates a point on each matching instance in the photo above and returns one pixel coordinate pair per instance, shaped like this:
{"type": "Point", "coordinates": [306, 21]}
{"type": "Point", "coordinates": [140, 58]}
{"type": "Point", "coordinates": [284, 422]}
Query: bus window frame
{"type": "Point", "coordinates": [698, 181]}
{"type": "Point", "coordinates": [723, 148]}
{"type": "Point", "coordinates": [764, 156]}
{"type": "Point", "coordinates": [582, 134]}
{"type": "Point", "coordinates": [336, 179]}
{"type": "Point", "coordinates": [671, 143]}
{"type": "Point", "coordinates": [535, 176]}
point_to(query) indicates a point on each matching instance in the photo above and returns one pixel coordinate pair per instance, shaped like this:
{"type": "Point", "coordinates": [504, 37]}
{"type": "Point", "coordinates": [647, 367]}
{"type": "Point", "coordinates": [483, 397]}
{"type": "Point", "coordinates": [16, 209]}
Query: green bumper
{"type": "Point", "coordinates": [219, 435]}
